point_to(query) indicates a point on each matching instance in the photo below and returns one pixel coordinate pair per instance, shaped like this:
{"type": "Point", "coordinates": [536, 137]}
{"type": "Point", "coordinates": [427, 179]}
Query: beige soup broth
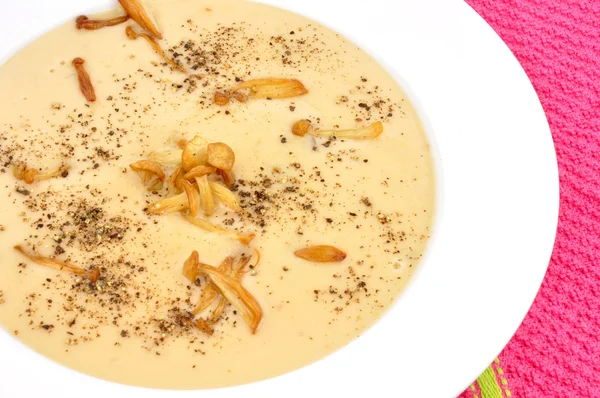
{"type": "Point", "coordinates": [279, 162]}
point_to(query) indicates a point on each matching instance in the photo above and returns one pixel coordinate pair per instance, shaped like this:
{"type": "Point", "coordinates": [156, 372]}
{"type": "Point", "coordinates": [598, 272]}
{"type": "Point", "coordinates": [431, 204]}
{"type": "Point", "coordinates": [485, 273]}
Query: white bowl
{"type": "Point", "coordinates": [495, 228]}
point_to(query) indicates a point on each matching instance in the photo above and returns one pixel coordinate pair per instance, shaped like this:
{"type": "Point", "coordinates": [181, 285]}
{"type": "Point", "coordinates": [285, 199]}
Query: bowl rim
{"type": "Point", "coordinates": [436, 129]}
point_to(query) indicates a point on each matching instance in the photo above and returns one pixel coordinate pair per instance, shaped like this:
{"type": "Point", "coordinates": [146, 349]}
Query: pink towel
{"type": "Point", "coordinates": [556, 352]}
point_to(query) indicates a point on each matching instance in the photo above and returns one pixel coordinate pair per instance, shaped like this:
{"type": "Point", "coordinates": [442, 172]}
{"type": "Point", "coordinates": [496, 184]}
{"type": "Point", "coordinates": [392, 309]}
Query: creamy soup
{"type": "Point", "coordinates": [121, 307]}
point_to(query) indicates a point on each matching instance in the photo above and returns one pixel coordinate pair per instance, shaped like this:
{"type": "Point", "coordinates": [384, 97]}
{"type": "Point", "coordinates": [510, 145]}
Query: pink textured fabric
{"type": "Point", "coordinates": [556, 352]}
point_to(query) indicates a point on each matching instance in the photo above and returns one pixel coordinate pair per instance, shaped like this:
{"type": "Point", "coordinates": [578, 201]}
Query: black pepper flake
{"type": "Point", "coordinates": [284, 140]}
{"type": "Point", "coordinates": [292, 108]}
{"type": "Point", "coordinates": [23, 191]}
{"type": "Point", "coordinates": [329, 220]}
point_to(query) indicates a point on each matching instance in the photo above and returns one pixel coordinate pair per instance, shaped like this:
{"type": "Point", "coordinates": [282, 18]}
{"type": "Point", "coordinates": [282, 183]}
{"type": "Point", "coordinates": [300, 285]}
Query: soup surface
{"type": "Point", "coordinates": [133, 322]}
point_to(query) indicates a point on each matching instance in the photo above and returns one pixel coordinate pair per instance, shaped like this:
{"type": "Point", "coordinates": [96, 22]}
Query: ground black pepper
{"type": "Point", "coordinates": [91, 227]}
